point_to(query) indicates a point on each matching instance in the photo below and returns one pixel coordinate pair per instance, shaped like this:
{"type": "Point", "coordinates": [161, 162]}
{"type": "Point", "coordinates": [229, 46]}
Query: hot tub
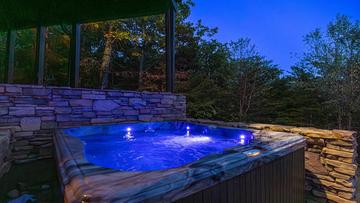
{"type": "Point", "coordinates": [179, 161]}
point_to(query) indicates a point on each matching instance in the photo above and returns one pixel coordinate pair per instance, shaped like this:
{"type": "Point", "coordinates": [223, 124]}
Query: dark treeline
{"type": "Point", "coordinates": [226, 81]}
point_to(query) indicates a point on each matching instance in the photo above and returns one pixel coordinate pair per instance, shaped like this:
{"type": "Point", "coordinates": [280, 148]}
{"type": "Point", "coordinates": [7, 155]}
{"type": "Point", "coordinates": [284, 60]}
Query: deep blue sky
{"type": "Point", "coordinates": [276, 27]}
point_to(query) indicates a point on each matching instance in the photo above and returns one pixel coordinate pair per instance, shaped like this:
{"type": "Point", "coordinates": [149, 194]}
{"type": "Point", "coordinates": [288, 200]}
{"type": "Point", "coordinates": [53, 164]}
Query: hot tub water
{"type": "Point", "coordinates": [155, 146]}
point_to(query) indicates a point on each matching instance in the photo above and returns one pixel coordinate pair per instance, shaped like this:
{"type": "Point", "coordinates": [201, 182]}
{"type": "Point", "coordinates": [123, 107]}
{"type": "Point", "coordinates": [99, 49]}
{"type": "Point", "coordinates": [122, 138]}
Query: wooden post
{"type": "Point", "coordinates": [10, 60]}
{"type": "Point", "coordinates": [40, 54]}
{"type": "Point", "coordinates": [170, 18]}
{"type": "Point", "coordinates": [74, 61]}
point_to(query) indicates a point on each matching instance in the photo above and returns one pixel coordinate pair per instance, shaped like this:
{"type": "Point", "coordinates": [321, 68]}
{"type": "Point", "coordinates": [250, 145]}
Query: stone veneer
{"type": "Point", "coordinates": [330, 161]}
{"type": "Point", "coordinates": [33, 112]}
{"type": "Point", "coordinates": [5, 163]}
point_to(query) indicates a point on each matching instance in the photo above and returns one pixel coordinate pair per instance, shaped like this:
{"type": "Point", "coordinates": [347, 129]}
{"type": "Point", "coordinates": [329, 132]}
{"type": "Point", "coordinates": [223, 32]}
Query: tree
{"type": "Point", "coordinates": [57, 55]}
{"type": "Point", "coordinates": [254, 75]}
{"type": "Point", "coordinates": [334, 56]}
{"type": "Point", "coordinates": [209, 92]}
{"type": "Point", "coordinates": [3, 39]}
{"type": "Point", "coordinates": [293, 99]}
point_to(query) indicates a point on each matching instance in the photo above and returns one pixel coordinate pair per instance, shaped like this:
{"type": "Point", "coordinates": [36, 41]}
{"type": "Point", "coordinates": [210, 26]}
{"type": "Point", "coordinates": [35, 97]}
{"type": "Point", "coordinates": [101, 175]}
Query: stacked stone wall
{"type": "Point", "coordinates": [34, 112]}
{"type": "Point", "coordinates": [330, 163]}
{"type": "Point", "coordinates": [330, 160]}
{"type": "Point", "coordinates": [5, 148]}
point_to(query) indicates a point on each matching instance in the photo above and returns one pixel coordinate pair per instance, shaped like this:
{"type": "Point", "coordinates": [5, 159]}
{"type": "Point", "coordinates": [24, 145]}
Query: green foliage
{"type": "Point", "coordinates": [209, 91]}
{"type": "Point", "coordinates": [57, 55]}
{"type": "Point", "coordinates": [334, 58]}
{"type": "Point", "coordinates": [254, 76]}
{"type": "Point", "coordinates": [323, 90]}
{"type": "Point", "coordinates": [2, 55]}
{"type": "Point", "coordinates": [24, 71]}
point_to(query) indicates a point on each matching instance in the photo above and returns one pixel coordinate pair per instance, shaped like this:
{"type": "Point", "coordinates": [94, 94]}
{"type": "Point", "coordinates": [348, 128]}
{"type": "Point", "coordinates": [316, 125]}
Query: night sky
{"type": "Point", "coordinates": [276, 27]}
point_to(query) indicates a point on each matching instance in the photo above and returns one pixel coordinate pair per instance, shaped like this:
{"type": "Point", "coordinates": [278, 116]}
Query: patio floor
{"type": "Point", "coordinates": [42, 173]}
{"type": "Point", "coordinates": [36, 178]}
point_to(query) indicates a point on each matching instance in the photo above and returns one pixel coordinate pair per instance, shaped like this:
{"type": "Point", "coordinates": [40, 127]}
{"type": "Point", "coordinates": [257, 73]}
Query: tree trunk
{"type": "Point", "coordinates": [242, 97]}
{"type": "Point", "coordinates": [349, 121]}
{"type": "Point", "coordinates": [339, 120]}
{"type": "Point", "coordinates": [141, 68]}
{"type": "Point", "coordinates": [106, 59]}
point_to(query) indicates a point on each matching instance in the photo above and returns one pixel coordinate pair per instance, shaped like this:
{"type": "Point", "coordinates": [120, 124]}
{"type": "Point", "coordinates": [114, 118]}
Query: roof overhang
{"type": "Point", "coordinates": [20, 14]}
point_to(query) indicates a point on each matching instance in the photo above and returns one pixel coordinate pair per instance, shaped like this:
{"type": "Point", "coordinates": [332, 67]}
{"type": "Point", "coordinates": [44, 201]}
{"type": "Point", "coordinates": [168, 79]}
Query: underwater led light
{"type": "Point", "coordinates": [242, 137]}
{"type": "Point", "coordinates": [128, 135]}
{"type": "Point", "coordinates": [187, 131]}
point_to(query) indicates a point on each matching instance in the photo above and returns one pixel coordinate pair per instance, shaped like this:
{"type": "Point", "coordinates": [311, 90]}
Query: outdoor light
{"type": "Point", "coordinates": [252, 153]}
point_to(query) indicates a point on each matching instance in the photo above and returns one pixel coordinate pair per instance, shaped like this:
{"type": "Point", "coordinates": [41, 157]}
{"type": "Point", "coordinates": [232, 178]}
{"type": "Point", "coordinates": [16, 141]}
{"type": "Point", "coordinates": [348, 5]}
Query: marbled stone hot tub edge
{"type": "Point", "coordinates": [221, 177]}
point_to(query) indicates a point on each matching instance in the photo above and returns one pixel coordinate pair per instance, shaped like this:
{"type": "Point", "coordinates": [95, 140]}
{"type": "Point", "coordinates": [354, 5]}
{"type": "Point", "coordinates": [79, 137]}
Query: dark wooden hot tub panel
{"type": "Point", "coordinates": [281, 181]}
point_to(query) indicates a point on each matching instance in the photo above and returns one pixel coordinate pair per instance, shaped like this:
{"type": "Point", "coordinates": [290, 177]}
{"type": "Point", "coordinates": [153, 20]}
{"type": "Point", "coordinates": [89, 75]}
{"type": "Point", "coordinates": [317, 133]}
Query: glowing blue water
{"type": "Point", "coordinates": [155, 146]}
